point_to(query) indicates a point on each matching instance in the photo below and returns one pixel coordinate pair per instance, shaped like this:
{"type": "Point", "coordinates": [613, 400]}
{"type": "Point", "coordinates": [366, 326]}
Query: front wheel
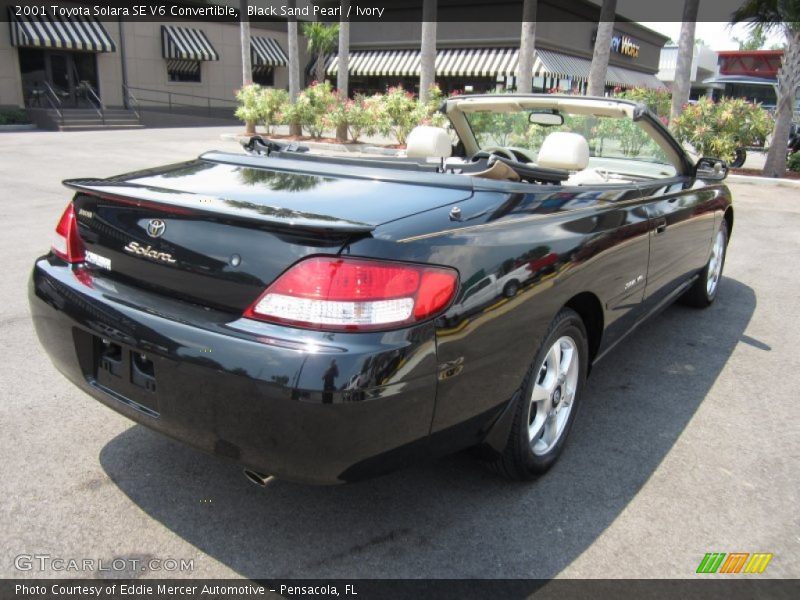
{"type": "Point", "coordinates": [548, 400]}
{"type": "Point", "coordinates": [704, 290]}
{"type": "Point", "coordinates": [739, 158]}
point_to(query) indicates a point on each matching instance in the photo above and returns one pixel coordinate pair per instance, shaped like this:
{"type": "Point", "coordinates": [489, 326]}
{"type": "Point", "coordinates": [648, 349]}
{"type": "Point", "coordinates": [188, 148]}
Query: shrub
{"type": "Point", "coordinates": [793, 164]}
{"type": "Point", "coordinates": [272, 105]}
{"type": "Point", "coordinates": [402, 111]}
{"type": "Point", "coordinates": [659, 101]}
{"type": "Point", "coordinates": [625, 132]}
{"type": "Point", "coordinates": [13, 117]}
{"type": "Point", "coordinates": [375, 108]}
{"type": "Point", "coordinates": [719, 128]}
{"type": "Point", "coordinates": [336, 114]}
{"type": "Point", "coordinates": [311, 107]}
{"type": "Point", "coordinates": [364, 116]}
{"type": "Point", "coordinates": [248, 110]}
{"type": "Point", "coordinates": [429, 112]}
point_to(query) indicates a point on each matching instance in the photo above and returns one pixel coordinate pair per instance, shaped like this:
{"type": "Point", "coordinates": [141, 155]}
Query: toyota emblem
{"type": "Point", "coordinates": [156, 228]}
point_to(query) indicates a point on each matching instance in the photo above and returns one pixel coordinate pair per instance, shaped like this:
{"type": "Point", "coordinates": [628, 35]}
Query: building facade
{"type": "Point", "coordinates": [704, 66]}
{"type": "Point", "coordinates": [77, 61]}
{"type": "Point", "coordinates": [478, 56]}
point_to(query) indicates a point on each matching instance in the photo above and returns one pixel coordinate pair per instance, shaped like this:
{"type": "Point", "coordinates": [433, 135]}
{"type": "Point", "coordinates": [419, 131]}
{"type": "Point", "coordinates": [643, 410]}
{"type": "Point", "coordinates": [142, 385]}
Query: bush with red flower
{"type": "Point", "coordinates": [311, 107]}
{"type": "Point", "coordinates": [718, 128]}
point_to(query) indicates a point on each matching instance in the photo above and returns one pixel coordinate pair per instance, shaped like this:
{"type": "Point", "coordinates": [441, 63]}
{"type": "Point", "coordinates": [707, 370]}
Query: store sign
{"type": "Point", "coordinates": [622, 44]}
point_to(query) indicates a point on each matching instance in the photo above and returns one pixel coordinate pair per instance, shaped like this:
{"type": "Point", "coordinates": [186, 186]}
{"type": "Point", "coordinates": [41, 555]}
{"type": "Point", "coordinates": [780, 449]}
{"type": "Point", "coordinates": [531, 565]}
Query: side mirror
{"type": "Point", "coordinates": [713, 169]}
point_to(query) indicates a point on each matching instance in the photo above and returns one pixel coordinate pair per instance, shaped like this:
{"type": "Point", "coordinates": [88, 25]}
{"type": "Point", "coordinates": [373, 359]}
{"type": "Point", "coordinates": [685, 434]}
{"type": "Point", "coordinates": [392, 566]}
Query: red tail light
{"type": "Point", "coordinates": [67, 243]}
{"type": "Point", "coordinates": [345, 294]}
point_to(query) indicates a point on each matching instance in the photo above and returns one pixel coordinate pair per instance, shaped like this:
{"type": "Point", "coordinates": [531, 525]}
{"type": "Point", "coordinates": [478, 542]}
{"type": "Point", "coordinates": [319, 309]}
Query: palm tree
{"type": "Point", "coordinates": [294, 64]}
{"type": "Point", "coordinates": [343, 71]}
{"type": "Point", "coordinates": [427, 69]}
{"type": "Point", "coordinates": [322, 39]}
{"type": "Point", "coordinates": [247, 67]}
{"type": "Point", "coordinates": [602, 49]}
{"type": "Point", "coordinates": [783, 16]}
{"type": "Point", "coordinates": [527, 47]}
{"type": "Point", "coordinates": [681, 86]}
{"type": "Point", "coordinates": [244, 32]}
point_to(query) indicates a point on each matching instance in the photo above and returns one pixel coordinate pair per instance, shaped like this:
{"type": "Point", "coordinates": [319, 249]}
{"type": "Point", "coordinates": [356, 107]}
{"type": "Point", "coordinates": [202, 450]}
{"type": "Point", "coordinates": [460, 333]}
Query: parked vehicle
{"type": "Point", "coordinates": [792, 147]}
{"type": "Point", "coordinates": [294, 312]}
{"type": "Point", "coordinates": [794, 138]}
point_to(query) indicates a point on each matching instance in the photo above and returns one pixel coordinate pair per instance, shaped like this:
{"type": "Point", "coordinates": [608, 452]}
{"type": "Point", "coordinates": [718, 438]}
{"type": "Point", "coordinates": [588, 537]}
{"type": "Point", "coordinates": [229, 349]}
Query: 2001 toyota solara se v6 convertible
{"type": "Point", "coordinates": [326, 319]}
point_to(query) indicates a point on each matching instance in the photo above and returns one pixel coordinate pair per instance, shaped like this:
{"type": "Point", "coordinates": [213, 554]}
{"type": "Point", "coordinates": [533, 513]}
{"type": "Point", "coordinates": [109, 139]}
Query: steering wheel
{"type": "Point", "coordinates": [497, 151]}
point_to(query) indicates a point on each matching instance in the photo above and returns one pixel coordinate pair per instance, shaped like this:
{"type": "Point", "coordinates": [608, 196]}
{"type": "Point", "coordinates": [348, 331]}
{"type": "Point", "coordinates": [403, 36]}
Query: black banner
{"type": "Point", "coordinates": [716, 587]}
{"type": "Point", "coordinates": [357, 10]}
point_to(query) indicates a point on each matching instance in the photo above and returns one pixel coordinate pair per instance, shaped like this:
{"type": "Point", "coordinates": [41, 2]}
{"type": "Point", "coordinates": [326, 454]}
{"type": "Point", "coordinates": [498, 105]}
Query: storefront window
{"type": "Point", "coordinates": [265, 77]}
{"type": "Point", "coordinates": [183, 70]}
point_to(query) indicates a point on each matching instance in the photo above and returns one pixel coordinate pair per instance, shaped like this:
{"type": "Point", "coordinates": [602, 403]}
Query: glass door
{"type": "Point", "coordinates": [60, 75]}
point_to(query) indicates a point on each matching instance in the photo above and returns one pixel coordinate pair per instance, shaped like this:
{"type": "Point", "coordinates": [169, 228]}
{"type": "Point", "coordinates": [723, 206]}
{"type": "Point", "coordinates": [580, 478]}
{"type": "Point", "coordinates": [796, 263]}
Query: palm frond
{"type": "Point", "coordinates": [770, 15]}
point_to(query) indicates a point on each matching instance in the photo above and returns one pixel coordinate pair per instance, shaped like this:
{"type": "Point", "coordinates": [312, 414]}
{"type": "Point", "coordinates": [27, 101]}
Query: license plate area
{"type": "Point", "coordinates": [124, 373]}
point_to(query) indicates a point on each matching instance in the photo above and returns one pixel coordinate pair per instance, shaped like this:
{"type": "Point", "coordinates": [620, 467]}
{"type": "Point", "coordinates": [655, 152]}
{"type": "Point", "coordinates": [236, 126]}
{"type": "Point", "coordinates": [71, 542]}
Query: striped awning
{"type": "Point", "coordinates": [628, 78]}
{"type": "Point", "coordinates": [183, 66]}
{"type": "Point", "coordinates": [79, 33]}
{"type": "Point", "coordinates": [267, 52]}
{"type": "Point", "coordinates": [483, 62]}
{"type": "Point", "coordinates": [449, 62]}
{"type": "Point", "coordinates": [183, 43]}
{"type": "Point", "coordinates": [564, 66]}
{"type": "Point", "coordinates": [554, 64]}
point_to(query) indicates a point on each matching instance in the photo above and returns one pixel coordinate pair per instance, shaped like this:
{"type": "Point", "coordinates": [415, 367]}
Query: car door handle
{"type": "Point", "coordinates": [661, 225]}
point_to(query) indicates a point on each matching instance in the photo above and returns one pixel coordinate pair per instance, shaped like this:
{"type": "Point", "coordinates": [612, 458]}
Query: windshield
{"type": "Point", "coordinates": [609, 138]}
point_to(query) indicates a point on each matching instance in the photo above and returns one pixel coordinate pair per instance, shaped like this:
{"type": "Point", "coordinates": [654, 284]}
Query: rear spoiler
{"type": "Point", "coordinates": [188, 203]}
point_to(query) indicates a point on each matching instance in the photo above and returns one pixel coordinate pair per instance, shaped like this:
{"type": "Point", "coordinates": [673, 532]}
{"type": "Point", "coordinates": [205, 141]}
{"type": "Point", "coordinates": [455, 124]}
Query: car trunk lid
{"type": "Point", "coordinates": [218, 233]}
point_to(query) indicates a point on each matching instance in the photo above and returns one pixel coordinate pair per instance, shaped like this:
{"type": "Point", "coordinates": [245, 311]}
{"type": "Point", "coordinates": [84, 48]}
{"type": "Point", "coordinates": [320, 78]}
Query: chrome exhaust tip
{"type": "Point", "coordinates": [260, 479]}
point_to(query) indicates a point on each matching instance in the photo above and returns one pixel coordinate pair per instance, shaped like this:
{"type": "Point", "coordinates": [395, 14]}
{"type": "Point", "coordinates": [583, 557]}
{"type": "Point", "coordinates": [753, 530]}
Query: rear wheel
{"type": "Point", "coordinates": [549, 399]}
{"type": "Point", "coordinates": [704, 290]}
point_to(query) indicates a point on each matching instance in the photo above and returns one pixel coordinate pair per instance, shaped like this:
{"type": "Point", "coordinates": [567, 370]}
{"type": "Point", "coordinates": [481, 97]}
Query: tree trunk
{"type": "Point", "coordinates": [602, 49]}
{"type": "Point", "coordinates": [682, 84]}
{"type": "Point", "coordinates": [527, 46]}
{"type": "Point", "coordinates": [319, 68]}
{"type": "Point", "coordinates": [788, 80]}
{"type": "Point", "coordinates": [294, 65]}
{"type": "Point", "coordinates": [247, 67]}
{"type": "Point", "coordinates": [343, 71]}
{"type": "Point", "coordinates": [427, 69]}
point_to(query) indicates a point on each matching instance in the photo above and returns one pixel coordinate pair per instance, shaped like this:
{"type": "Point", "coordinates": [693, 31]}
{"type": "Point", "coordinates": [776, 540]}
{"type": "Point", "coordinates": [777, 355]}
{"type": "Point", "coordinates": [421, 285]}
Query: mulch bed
{"type": "Point", "coordinates": [759, 173]}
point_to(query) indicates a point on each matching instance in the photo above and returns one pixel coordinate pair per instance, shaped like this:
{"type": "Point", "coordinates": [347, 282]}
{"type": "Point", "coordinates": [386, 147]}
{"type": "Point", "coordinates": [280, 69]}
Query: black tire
{"type": "Point", "coordinates": [511, 288]}
{"type": "Point", "coordinates": [739, 159]}
{"type": "Point", "coordinates": [519, 460]}
{"type": "Point", "coordinates": [701, 294]}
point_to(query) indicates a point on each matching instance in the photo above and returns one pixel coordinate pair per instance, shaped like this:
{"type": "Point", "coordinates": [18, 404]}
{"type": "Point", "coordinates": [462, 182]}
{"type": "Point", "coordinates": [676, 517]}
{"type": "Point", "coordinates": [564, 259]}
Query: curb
{"type": "Point", "coordinates": [756, 179]}
{"type": "Point", "coordinates": [17, 127]}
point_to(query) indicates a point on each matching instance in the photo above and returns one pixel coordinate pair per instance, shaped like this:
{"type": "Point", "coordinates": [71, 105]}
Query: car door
{"type": "Point", "coordinates": [681, 215]}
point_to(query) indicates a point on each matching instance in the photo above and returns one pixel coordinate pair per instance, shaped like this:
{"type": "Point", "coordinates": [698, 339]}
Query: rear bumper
{"type": "Point", "coordinates": [263, 395]}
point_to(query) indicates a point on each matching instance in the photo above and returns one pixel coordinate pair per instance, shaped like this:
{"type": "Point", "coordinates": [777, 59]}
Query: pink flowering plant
{"type": "Point", "coordinates": [402, 112]}
{"type": "Point", "coordinates": [718, 128]}
{"type": "Point", "coordinates": [311, 107]}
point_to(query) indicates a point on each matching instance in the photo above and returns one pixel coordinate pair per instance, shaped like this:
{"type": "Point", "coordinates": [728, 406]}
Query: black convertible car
{"type": "Point", "coordinates": [326, 319]}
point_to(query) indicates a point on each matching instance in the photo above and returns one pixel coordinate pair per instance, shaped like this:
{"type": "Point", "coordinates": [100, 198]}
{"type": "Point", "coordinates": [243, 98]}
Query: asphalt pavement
{"type": "Point", "coordinates": [688, 441]}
